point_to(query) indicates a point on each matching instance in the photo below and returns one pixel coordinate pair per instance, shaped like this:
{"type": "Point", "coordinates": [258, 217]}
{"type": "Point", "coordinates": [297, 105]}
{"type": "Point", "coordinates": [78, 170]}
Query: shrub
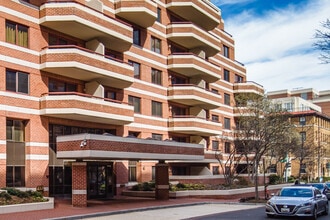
{"type": "Point", "coordinates": [274, 179]}
{"type": "Point", "coordinates": [5, 195]}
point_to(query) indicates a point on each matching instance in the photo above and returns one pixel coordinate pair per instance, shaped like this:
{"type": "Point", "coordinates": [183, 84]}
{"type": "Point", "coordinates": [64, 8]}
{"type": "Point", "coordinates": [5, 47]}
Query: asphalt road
{"type": "Point", "coordinates": [199, 212]}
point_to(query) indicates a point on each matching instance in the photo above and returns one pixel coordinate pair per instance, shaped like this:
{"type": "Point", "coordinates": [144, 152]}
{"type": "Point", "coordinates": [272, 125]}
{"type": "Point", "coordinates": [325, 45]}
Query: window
{"type": "Point", "coordinates": [15, 153]}
{"type": "Point", "coordinates": [227, 147]}
{"type": "Point", "coordinates": [17, 34]}
{"type": "Point", "coordinates": [159, 15]}
{"type": "Point", "coordinates": [215, 145]}
{"type": "Point", "coordinates": [61, 86]}
{"type": "Point", "coordinates": [155, 45]}
{"type": "Point", "coordinates": [215, 170]}
{"type": "Point", "coordinates": [215, 118]}
{"type": "Point", "coordinates": [110, 94]}
{"type": "Point", "coordinates": [227, 99]}
{"type": "Point", "coordinates": [304, 95]}
{"type": "Point", "coordinates": [158, 137]}
{"type": "Point", "coordinates": [238, 79]}
{"type": "Point", "coordinates": [288, 106]}
{"type": "Point", "coordinates": [215, 91]}
{"type": "Point", "coordinates": [227, 123]}
{"type": "Point", "coordinates": [226, 75]}
{"type": "Point", "coordinates": [17, 81]}
{"type": "Point", "coordinates": [136, 36]}
{"type": "Point", "coordinates": [136, 102]}
{"type": "Point", "coordinates": [176, 110]}
{"type": "Point", "coordinates": [156, 109]}
{"type": "Point", "coordinates": [226, 51]}
{"type": "Point", "coordinates": [137, 69]}
{"type": "Point", "coordinates": [132, 170]}
{"type": "Point", "coordinates": [57, 40]}
{"type": "Point", "coordinates": [302, 120]}
{"type": "Point", "coordinates": [156, 76]}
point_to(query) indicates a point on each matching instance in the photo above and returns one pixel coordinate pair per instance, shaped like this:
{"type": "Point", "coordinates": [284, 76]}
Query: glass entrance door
{"type": "Point", "coordinates": [99, 181]}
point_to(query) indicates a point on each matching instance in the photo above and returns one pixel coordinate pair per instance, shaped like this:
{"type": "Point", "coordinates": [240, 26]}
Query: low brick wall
{"type": "Point", "coordinates": [214, 194]}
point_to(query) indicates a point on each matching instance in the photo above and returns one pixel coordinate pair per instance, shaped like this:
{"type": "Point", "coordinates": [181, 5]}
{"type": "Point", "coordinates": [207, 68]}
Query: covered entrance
{"type": "Point", "coordinates": [100, 180]}
{"type": "Point", "coordinates": [92, 176]}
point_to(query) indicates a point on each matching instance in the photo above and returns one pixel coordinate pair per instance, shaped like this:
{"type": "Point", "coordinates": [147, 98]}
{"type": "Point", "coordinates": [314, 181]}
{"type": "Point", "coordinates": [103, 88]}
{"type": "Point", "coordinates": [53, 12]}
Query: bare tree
{"type": "Point", "coordinates": [323, 41]}
{"type": "Point", "coordinates": [260, 127]}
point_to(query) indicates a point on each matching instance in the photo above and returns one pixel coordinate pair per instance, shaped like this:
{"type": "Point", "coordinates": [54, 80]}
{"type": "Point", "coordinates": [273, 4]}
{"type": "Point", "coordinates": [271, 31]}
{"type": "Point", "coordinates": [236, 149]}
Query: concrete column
{"type": "Point", "coordinates": [162, 181]}
{"type": "Point", "coordinates": [79, 184]}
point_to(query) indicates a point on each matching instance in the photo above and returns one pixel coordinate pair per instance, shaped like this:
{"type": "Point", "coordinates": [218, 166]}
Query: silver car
{"type": "Point", "coordinates": [298, 201]}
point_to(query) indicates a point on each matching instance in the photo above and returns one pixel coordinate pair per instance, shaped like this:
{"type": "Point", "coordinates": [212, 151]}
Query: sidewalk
{"type": "Point", "coordinates": [64, 210]}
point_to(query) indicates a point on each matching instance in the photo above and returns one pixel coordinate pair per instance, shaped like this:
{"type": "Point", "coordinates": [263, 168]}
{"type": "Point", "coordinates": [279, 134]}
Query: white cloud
{"type": "Point", "coordinates": [277, 48]}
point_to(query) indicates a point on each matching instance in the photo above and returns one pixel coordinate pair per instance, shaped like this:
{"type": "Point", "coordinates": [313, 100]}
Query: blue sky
{"type": "Point", "coordinates": [274, 38]}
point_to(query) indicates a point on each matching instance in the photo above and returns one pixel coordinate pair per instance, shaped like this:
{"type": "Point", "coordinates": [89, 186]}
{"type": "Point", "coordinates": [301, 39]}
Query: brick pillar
{"type": "Point", "coordinates": [162, 181]}
{"type": "Point", "coordinates": [79, 184]}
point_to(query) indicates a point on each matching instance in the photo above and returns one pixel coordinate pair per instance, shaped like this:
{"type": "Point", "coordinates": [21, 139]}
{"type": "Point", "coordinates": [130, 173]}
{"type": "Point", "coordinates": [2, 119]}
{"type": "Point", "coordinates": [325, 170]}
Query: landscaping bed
{"type": "Point", "coordinates": [12, 196]}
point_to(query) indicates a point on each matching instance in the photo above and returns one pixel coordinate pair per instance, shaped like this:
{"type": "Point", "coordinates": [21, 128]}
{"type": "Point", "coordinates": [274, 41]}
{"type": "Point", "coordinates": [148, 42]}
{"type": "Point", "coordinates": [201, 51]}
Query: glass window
{"type": "Point", "coordinates": [226, 75]}
{"type": "Point", "coordinates": [156, 109]}
{"type": "Point", "coordinates": [215, 118]}
{"type": "Point", "coordinates": [156, 76]}
{"type": "Point", "coordinates": [15, 130]}
{"type": "Point", "coordinates": [17, 81]}
{"type": "Point", "coordinates": [215, 145]}
{"type": "Point", "coordinates": [136, 36]}
{"type": "Point", "coordinates": [15, 176]}
{"type": "Point", "coordinates": [132, 170]}
{"type": "Point", "coordinates": [215, 170]}
{"type": "Point", "coordinates": [17, 34]}
{"type": "Point", "coordinates": [137, 69]}
{"type": "Point", "coordinates": [155, 45]}
{"type": "Point", "coordinates": [61, 86]}
{"type": "Point", "coordinates": [304, 95]}
{"type": "Point", "coordinates": [302, 120]}
{"type": "Point", "coordinates": [238, 79]}
{"type": "Point", "coordinates": [159, 15]}
{"type": "Point", "coordinates": [226, 51]}
{"type": "Point", "coordinates": [136, 102]}
{"type": "Point", "coordinates": [227, 99]}
{"type": "Point", "coordinates": [158, 137]}
{"type": "Point", "coordinates": [110, 94]}
{"type": "Point", "coordinates": [227, 123]}
{"type": "Point", "coordinates": [227, 147]}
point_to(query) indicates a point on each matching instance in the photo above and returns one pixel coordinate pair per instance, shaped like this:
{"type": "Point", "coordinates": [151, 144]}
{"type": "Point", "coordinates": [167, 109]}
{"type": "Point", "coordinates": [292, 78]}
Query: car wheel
{"type": "Point", "coordinates": [314, 216]}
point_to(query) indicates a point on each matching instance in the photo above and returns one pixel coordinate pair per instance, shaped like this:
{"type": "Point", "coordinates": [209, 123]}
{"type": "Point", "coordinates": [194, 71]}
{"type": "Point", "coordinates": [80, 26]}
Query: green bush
{"type": "Point", "coordinates": [274, 179]}
{"type": "Point", "coordinates": [5, 195]}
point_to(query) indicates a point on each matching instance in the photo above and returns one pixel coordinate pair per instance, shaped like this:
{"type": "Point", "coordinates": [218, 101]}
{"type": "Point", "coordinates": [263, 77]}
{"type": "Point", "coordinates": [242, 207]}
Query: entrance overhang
{"type": "Point", "coordinates": [105, 147]}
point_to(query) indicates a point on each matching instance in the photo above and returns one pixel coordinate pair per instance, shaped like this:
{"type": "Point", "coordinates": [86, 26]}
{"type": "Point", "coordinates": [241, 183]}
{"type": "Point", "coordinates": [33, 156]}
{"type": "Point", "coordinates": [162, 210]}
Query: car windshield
{"type": "Point", "coordinates": [319, 186]}
{"type": "Point", "coordinates": [296, 192]}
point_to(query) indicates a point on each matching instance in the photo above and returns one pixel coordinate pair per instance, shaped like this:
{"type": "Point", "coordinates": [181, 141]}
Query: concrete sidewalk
{"type": "Point", "coordinates": [119, 205]}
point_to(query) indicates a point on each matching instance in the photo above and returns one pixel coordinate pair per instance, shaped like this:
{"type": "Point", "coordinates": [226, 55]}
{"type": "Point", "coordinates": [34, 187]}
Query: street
{"type": "Point", "coordinates": [211, 211]}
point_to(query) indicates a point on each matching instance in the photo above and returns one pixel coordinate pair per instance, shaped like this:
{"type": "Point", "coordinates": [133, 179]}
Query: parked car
{"type": "Point", "coordinates": [299, 201]}
{"type": "Point", "coordinates": [323, 188]}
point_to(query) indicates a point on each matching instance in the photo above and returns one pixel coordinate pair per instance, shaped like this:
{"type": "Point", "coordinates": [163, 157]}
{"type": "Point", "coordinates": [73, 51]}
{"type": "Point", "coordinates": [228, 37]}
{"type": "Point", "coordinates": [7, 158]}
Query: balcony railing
{"type": "Point", "coordinates": [86, 22]}
{"type": "Point", "coordinates": [193, 95]}
{"type": "Point", "coordinates": [191, 65]}
{"type": "Point", "coordinates": [192, 36]}
{"type": "Point", "coordinates": [202, 13]}
{"type": "Point", "coordinates": [193, 125]}
{"type": "Point", "coordinates": [84, 107]}
{"type": "Point", "coordinates": [83, 64]}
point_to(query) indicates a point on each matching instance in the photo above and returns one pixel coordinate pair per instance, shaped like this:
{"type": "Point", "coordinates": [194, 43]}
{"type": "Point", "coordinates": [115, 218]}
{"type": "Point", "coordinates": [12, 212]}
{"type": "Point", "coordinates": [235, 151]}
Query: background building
{"type": "Point", "coordinates": [161, 70]}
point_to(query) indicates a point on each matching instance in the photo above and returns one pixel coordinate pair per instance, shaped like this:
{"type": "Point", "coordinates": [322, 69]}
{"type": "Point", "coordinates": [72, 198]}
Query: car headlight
{"type": "Point", "coordinates": [306, 204]}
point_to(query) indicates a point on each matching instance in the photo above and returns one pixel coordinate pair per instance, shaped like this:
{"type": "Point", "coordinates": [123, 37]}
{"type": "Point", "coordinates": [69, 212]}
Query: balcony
{"type": "Point", "coordinates": [86, 23]}
{"type": "Point", "coordinates": [201, 12]}
{"type": "Point", "coordinates": [191, 37]}
{"type": "Point", "coordinates": [83, 107]}
{"type": "Point", "coordinates": [190, 65]}
{"type": "Point", "coordinates": [248, 87]}
{"type": "Point", "coordinates": [80, 63]}
{"type": "Point", "coordinates": [193, 125]}
{"type": "Point", "coordinates": [193, 95]}
{"type": "Point", "coordinates": [140, 12]}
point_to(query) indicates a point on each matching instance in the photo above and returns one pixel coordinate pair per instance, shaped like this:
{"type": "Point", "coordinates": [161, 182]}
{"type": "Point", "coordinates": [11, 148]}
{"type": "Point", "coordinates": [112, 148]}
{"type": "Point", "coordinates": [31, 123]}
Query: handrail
{"type": "Point", "coordinates": [193, 116]}
{"type": "Point", "coordinates": [249, 82]}
{"type": "Point", "coordinates": [193, 85]}
{"type": "Point", "coordinates": [70, 46]}
{"type": "Point", "coordinates": [195, 55]}
{"type": "Point", "coordinates": [83, 95]}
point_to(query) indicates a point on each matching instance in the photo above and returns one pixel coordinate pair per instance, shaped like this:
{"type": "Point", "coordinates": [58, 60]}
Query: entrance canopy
{"type": "Point", "coordinates": [105, 147]}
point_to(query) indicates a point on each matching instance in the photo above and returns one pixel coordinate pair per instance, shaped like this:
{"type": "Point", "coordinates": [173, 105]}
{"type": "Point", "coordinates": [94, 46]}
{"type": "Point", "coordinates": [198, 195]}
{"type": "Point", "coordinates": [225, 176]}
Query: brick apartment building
{"type": "Point", "coordinates": [310, 115]}
{"type": "Point", "coordinates": [97, 95]}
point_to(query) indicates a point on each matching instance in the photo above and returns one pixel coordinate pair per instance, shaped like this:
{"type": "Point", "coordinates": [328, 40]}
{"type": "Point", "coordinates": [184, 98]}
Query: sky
{"type": "Point", "coordinates": [274, 40]}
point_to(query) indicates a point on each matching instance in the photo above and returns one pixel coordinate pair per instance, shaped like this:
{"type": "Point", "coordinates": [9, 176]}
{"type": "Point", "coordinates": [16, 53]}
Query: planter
{"type": "Point", "coordinates": [27, 207]}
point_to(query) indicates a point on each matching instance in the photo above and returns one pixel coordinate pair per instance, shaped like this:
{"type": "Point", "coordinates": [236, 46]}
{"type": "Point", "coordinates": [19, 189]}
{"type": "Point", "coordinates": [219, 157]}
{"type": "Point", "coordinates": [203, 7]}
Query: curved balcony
{"type": "Point", "coordinates": [248, 87]}
{"type": "Point", "coordinates": [86, 23]}
{"type": "Point", "coordinates": [191, 37]}
{"type": "Point", "coordinates": [83, 107]}
{"type": "Point", "coordinates": [140, 12]}
{"type": "Point", "coordinates": [201, 12]}
{"type": "Point", "coordinates": [80, 63]}
{"type": "Point", "coordinates": [193, 95]}
{"type": "Point", "coordinates": [193, 125]}
{"type": "Point", "coordinates": [190, 65]}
